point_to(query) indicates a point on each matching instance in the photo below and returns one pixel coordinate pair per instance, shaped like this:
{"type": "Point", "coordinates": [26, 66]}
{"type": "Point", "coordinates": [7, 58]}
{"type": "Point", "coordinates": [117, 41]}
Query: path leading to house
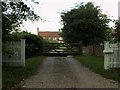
{"type": "Point", "coordinates": [66, 72]}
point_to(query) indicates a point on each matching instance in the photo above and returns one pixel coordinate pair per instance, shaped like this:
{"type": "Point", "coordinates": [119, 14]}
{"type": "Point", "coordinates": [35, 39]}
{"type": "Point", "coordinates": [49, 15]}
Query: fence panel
{"type": "Point", "coordinates": [96, 50]}
{"type": "Point", "coordinates": [16, 53]}
{"type": "Point", "coordinates": [111, 55]}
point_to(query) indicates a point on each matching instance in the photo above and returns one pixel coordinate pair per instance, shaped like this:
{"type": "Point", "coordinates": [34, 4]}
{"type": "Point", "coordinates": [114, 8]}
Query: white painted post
{"type": "Point", "coordinates": [106, 45]}
{"type": "Point", "coordinates": [23, 52]}
{"type": "Point", "coordinates": [106, 59]}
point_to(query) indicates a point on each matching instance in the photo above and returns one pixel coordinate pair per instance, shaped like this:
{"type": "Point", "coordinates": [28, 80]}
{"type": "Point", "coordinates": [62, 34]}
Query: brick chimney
{"type": "Point", "coordinates": [37, 31]}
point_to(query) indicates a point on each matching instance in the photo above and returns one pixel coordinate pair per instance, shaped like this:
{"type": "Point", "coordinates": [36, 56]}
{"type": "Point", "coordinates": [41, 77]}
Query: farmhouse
{"type": "Point", "coordinates": [50, 35]}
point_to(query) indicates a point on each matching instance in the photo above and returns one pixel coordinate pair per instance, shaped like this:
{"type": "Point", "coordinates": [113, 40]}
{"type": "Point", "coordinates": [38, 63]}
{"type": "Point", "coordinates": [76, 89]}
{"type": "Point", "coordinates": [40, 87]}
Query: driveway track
{"type": "Point", "coordinates": [66, 72]}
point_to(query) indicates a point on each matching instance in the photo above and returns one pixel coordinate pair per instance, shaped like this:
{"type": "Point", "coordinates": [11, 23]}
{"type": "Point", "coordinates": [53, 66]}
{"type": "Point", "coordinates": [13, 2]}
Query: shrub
{"type": "Point", "coordinates": [34, 45]}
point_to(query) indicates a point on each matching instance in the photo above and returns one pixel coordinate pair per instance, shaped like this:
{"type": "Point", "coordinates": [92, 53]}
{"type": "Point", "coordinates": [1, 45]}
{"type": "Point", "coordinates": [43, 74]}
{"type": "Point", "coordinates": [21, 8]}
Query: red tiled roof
{"type": "Point", "coordinates": [48, 34]}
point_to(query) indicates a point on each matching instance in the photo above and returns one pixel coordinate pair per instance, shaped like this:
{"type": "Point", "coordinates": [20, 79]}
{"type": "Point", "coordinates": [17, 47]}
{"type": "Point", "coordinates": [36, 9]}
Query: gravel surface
{"type": "Point", "coordinates": [66, 72]}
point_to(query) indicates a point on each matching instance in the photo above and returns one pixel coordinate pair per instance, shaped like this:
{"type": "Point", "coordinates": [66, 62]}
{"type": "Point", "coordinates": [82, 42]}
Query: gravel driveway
{"type": "Point", "coordinates": [66, 72]}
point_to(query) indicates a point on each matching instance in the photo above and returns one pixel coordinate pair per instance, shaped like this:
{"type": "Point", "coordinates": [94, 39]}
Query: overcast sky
{"type": "Point", "coordinates": [49, 10]}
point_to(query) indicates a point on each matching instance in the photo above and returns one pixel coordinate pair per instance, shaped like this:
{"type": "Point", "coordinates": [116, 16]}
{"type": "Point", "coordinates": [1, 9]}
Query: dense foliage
{"type": "Point", "coordinates": [34, 43]}
{"type": "Point", "coordinates": [117, 30]}
{"type": "Point", "coordinates": [84, 23]}
{"type": "Point", "coordinates": [13, 14]}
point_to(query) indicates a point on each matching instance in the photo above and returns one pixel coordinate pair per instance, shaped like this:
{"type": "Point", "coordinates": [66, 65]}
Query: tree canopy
{"type": "Point", "coordinates": [84, 23]}
{"type": "Point", "coordinates": [13, 14]}
{"type": "Point", "coordinates": [117, 30]}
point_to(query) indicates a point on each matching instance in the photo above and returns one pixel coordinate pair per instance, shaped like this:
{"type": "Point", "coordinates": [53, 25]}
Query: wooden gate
{"type": "Point", "coordinates": [62, 49]}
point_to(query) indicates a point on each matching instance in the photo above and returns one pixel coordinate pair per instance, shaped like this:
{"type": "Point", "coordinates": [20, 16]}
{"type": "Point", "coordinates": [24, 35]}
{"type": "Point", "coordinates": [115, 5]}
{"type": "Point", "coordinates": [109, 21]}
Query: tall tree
{"type": "Point", "coordinates": [117, 30]}
{"type": "Point", "coordinates": [84, 23]}
{"type": "Point", "coordinates": [13, 14]}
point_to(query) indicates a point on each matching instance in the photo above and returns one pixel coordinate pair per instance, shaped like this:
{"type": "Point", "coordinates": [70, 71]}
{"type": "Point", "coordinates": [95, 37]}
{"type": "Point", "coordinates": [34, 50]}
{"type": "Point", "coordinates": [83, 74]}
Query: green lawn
{"type": "Point", "coordinates": [13, 75]}
{"type": "Point", "coordinates": [96, 64]}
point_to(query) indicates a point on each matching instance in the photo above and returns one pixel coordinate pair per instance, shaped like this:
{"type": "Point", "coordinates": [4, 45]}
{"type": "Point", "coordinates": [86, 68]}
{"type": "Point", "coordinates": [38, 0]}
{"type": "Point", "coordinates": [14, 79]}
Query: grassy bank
{"type": "Point", "coordinates": [96, 64]}
{"type": "Point", "coordinates": [13, 75]}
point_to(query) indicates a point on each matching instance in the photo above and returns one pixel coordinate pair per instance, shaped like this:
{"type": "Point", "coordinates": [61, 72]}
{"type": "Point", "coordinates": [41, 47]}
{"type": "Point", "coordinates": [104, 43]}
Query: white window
{"type": "Point", "coordinates": [60, 38]}
{"type": "Point", "coordinates": [55, 38]}
{"type": "Point", "coordinates": [49, 38]}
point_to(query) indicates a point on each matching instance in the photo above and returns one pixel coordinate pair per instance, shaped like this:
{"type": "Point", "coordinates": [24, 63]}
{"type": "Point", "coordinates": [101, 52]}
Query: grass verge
{"type": "Point", "coordinates": [96, 64]}
{"type": "Point", "coordinates": [13, 75]}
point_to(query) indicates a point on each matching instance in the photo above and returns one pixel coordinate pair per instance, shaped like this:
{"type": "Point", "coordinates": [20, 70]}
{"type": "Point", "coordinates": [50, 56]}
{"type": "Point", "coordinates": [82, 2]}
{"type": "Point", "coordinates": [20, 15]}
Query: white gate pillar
{"type": "Point", "coordinates": [107, 55]}
{"type": "Point", "coordinates": [106, 59]}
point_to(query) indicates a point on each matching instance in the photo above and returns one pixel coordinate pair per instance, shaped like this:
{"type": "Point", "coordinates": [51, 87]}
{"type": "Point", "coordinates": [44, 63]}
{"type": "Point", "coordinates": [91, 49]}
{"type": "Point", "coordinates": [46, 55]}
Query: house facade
{"type": "Point", "coordinates": [52, 36]}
